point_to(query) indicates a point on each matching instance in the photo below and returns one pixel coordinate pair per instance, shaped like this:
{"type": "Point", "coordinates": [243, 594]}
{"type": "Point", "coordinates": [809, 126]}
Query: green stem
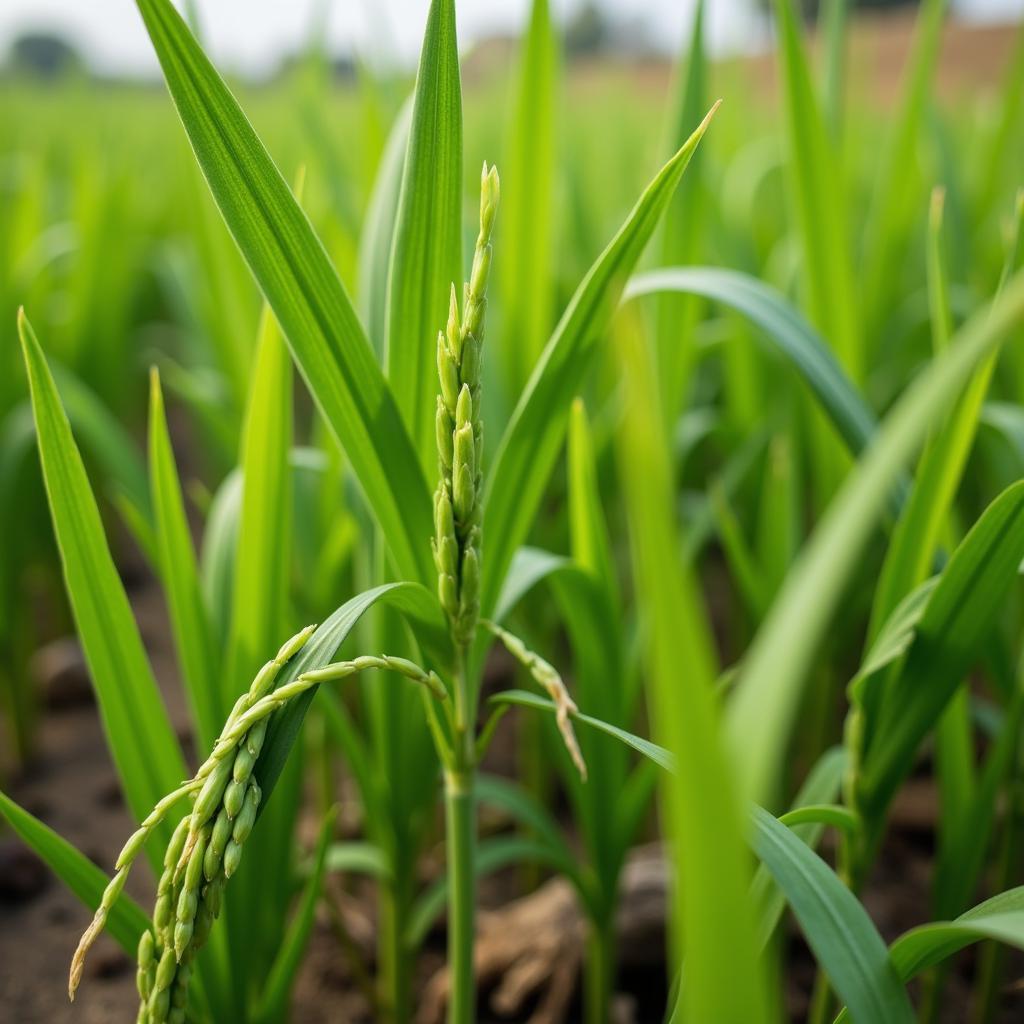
{"type": "Point", "coordinates": [460, 820]}
{"type": "Point", "coordinates": [600, 971]}
{"type": "Point", "coordinates": [395, 994]}
{"type": "Point", "coordinates": [992, 957]}
{"type": "Point", "coordinates": [821, 1010]}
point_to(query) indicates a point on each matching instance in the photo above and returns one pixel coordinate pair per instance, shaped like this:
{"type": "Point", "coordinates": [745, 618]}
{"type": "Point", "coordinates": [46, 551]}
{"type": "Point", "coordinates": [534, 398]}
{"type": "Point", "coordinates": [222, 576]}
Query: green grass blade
{"type": "Point", "coordinates": [526, 809]}
{"type": "Point", "coordinates": [104, 439]}
{"type": "Point", "coordinates": [379, 232]}
{"type": "Point", "coordinates": [652, 751]}
{"type": "Point", "coordinates": [1000, 919]}
{"type": "Point", "coordinates": [958, 617]}
{"type": "Point", "coordinates": [426, 257]}
{"type": "Point", "coordinates": [763, 706]}
{"type": "Point", "coordinates": [263, 561]}
{"type": "Point", "coordinates": [892, 203]}
{"type": "Point", "coordinates": [822, 785]}
{"type": "Point", "coordinates": [834, 20]}
{"type": "Point", "coordinates": [526, 273]}
{"type": "Point", "coordinates": [820, 198]}
{"type": "Point", "coordinates": [742, 563]}
{"type": "Point", "coordinates": [588, 531]}
{"type": "Point", "coordinates": [179, 573]}
{"type": "Point", "coordinates": [303, 289]}
{"type": "Point", "coordinates": [965, 846]}
{"type": "Point", "coordinates": [836, 926]}
{"type": "Point", "coordinates": [358, 858]}
{"type": "Point", "coordinates": [713, 925]}
{"type": "Point", "coordinates": [274, 999]}
{"type": "Point", "coordinates": [908, 560]}
{"type": "Point", "coordinates": [683, 228]}
{"type": "Point", "coordinates": [531, 443]}
{"type": "Point", "coordinates": [139, 735]}
{"type": "Point", "coordinates": [217, 558]}
{"type": "Point", "coordinates": [784, 328]}
{"type": "Point", "coordinates": [127, 919]}
{"type": "Point", "coordinates": [416, 603]}
{"type": "Point", "coordinates": [529, 566]}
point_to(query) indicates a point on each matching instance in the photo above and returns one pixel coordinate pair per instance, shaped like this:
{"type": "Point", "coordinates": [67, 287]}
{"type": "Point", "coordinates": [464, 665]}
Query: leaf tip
{"type": "Point", "coordinates": [30, 349]}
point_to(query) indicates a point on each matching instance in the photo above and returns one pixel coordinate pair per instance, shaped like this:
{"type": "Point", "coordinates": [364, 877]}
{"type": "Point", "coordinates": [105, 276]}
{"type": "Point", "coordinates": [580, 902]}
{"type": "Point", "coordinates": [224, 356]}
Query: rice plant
{"type": "Point", "coordinates": [737, 500]}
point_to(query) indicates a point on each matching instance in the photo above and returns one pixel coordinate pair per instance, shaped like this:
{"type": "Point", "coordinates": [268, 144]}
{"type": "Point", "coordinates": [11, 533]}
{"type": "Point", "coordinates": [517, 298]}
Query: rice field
{"type": "Point", "coordinates": [532, 540]}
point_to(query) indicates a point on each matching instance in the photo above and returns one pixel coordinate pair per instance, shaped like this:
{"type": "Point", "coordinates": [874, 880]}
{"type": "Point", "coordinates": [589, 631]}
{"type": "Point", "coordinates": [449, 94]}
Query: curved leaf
{"type": "Point", "coordinates": [415, 602]}
{"type": "Point", "coordinates": [358, 858]}
{"type": "Point", "coordinates": [761, 711]}
{"type": "Point", "coordinates": [784, 328]}
{"type": "Point", "coordinates": [523, 698]}
{"type": "Point", "coordinates": [528, 567]}
{"type": "Point", "coordinates": [958, 616]}
{"type": "Point", "coordinates": [836, 926]}
{"type": "Point", "coordinates": [1000, 919]}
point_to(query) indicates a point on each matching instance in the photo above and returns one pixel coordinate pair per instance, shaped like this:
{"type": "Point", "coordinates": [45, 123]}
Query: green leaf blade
{"type": "Point", "coordinates": [139, 734]}
{"type": "Point", "coordinates": [530, 445]}
{"type": "Point", "coordinates": [179, 572]}
{"type": "Point", "coordinates": [303, 289]}
{"type": "Point", "coordinates": [426, 256]}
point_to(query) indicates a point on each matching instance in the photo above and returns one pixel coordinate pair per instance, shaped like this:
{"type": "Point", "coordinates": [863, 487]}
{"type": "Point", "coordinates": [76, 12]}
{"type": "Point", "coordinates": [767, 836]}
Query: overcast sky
{"type": "Point", "coordinates": [251, 35]}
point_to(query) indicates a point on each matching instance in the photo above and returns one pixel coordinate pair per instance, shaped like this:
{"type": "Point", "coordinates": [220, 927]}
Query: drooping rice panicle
{"type": "Point", "coordinates": [206, 847]}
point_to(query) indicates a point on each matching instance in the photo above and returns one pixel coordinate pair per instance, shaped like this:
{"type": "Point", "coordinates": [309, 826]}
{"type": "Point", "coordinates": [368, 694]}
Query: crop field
{"type": "Point", "coordinates": [525, 538]}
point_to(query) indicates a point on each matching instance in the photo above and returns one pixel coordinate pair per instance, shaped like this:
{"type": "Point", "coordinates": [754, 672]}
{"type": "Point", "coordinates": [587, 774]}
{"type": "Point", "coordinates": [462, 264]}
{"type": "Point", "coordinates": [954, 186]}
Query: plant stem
{"type": "Point", "coordinates": [600, 970]}
{"type": "Point", "coordinates": [395, 995]}
{"type": "Point", "coordinates": [460, 819]}
{"type": "Point", "coordinates": [821, 1009]}
{"type": "Point", "coordinates": [992, 958]}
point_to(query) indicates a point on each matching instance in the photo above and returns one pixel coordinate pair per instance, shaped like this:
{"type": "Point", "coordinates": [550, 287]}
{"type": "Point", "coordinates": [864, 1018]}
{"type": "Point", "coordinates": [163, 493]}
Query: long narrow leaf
{"type": "Point", "coordinates": [783, 328]}
{"type": "Point", "coordinates": [761, 711]}
{"type": "Point", "coordinates": [837, 927]}
{"type": "Point", "coordinates": [190, 621]}
{"type": "Point", "coordinates": [528, 193]}
{"type": "Point", "coordinates": [426, 257]}
{"type": "Point", "coordinates": [959, 615]}
{"type": "Point", "coordinates": [713, 927]}
{"type": "Point", "coordinates": [303, 289]}
{"type": "Point", "coordinates": [139, 735]}
{"type": "Point", "coordinates": [530, 446]}
{"type": "Point", "coordinates": [415, 602]}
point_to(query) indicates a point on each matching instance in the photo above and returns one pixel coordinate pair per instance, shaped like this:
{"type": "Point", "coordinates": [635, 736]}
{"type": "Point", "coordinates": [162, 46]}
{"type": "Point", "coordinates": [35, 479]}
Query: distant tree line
{"type": "Point", "coordinates": [43, 55]}
{"type": "Point", "coordinates": [811, 7]}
